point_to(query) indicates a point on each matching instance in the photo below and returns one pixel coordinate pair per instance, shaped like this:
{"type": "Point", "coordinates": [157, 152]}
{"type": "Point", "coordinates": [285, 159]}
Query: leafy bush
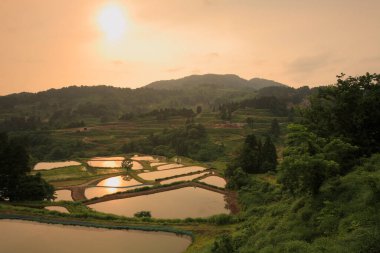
{"type": "Point", "coordinates": [143, 214]}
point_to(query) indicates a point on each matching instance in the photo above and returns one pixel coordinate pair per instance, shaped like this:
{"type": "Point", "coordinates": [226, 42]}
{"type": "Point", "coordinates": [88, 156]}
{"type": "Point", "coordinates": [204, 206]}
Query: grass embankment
{"type": "Point", "coordinates": [343, 217]}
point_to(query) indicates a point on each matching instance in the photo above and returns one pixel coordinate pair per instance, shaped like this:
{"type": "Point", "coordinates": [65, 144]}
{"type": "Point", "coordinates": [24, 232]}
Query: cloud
{"type": "Point", "coordinates": [209, 2]}
{"type": "Point", "coordinates": [372, 59]}
{"type": "Point", "coordinates": [117, 62]}
{"type": "Point", "coordinates": [196, 72]}
{"type": "Point", "coordinates": [308, 63]}
{"type": "Point", "coordinates": [210, 57]}
{"type": "Point", "coordinates": [173, 70]}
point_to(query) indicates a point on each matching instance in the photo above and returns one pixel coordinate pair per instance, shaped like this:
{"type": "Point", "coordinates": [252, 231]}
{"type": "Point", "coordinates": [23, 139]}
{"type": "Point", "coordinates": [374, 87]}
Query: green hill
{"type": "Point", "coordinates": [214, 81]}
{"type": "Point", "coordinates": [70, 106]}
{"type": "Point", "coordinates": [259, 83]}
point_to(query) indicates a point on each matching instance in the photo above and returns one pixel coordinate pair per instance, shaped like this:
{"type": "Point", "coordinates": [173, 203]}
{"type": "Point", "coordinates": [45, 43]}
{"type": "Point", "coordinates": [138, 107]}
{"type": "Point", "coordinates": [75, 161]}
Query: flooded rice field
{"type": "Point", "coordinates": [143, 158]}
{"type": "Point", "coordinates": [110, 158]}
{"type": "Point", "coordinates": [180, 203]}
{"type": "Point", "coordinates": [156, 164]}
{"type": "Point", "coordinates": [105, 163]}
{"type": "Point", "coordinates": [214, 180]}
{"type": "Point", "coordinates": [112, 164]}
{"type": "Point", "coordinates": [119, 181]}
{"type": "Point", "coordinates": [57, 208]}
{"type": "Point", "coordinates": [185, 178]}
{"type": "Point", "coordinates": [63, 195]}
{"type": "Point", "coordinates": [92, 192]}
{"type": "Point", "coordinates": [54, 165]}
{"type": "Point", "coordinates": [170, 173]}
{"type": "Point", "coordinates": [32, 237]}
{"type": "Point", "coordinates": [169, 166]}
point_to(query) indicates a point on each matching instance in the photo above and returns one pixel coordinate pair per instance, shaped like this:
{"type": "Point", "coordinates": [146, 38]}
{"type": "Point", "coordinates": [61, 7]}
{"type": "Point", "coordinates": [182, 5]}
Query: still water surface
{"type": "Point", "coordinates": [180, 203]}
{"type": "Point", "coordinates": [185, 178]}
{"type": "Point", "coordinates": [113, 164]}
{"type": "Point", "coordinates": [60, 209]}
{"type": "Point", "coordinates": [92, 192]}
{"type": "Point", "coordinates": [54, 165]}
{"type": "Point", "coordinates": [214, 180]}
{"type": "Point", "coordinates": [156, 164]}
{"type": "Point", "coordinates": [31, 237]}
{"type": "Point", "coordinates": [143, 158]}
{"type": "Point", "coordinates": [119, 181]}
{"type": "Point", "coordinates": [108, 158]}
{"type": "Point", "coordinates": [112, 185]}
{"type": "Point", "coordinates": [170, 173]}
{"type": "Point", "coordinates": [63, 195]}
{"type": "Point", "coordinates": [169, 166]}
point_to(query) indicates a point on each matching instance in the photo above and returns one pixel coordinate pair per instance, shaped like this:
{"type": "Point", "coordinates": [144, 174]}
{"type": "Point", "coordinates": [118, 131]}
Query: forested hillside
{"type": "Point", "coordinates": [324, 195]}
{"type": "Point", "coordinates": [77, 106]}
{"type": "Point", "coordinates": [231, 82]}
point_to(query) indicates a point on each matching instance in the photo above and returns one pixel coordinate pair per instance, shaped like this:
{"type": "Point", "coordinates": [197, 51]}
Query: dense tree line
{"type": "Point", "coordinates": [276, 106]}
{"type": "Point", "coordinates": [20, 123]}
{"type": "Point", "coordinates": [161, 114]}
{"type": "Point", "coordinates": [41, 146]}
{"type": "Point", "coordinates": [190, 140]}
{"type": "Point", "coordinates": [275, 129]}
{"type": "Point", "coordinates": [252, 158]}
{"type": "Point", "coordinates": [15, 182]}
{"type": "Point", "coordinates": [327, 194]}
{"type": "Point", "coordinates": [58, 107]}
{"type": "Point", "coordinates": [310, 160]}
{"type": "Point", "coordinates": [349, 109]}
{"type": "Point", "coordinates": [279, 100]}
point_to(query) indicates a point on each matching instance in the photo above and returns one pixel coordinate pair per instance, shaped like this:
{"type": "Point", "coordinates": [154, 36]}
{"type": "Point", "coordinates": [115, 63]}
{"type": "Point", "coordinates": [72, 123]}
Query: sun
{"type": "Point", "coordinates": [112, 21]}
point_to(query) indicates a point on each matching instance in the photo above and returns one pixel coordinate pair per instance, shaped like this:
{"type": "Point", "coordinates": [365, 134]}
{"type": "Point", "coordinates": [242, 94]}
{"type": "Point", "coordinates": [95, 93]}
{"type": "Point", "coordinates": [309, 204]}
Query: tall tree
{"type": "Point", "coordinates": [249, 158]}
{"type": "Point", "coordinates": [348, 109]}
{"type": "Point", "coordinates": [15, 183]}
{"type": "Point", "coordinates": [199, 109]}
{"type": "Point", "coordinates": [309, 160]}
{"type": "Point", "coordinates": [275, 129]}
{"type": "Point", "coordinates": [269, 155]}
{"type": "Point", "coordinates": [250, 122]}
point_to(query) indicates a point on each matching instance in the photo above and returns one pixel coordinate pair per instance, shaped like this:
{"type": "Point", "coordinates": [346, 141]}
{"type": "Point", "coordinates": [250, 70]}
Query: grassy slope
{"type": "Point", "coordinates": [108, 138]}
{"type": "Point", "coordinates": [343, 218]}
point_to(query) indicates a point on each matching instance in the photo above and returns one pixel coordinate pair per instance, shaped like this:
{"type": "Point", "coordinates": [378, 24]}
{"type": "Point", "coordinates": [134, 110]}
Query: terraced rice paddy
{"type": "Point", "coordinates": [110, 158]}
{"type": "Point", "coordinates": [215, 181]}
{"type": "Point", "coordinates": [169, 166]}
{"type": "Point", "coordinates": [32, 237]}
{"type": "Point", "coordinates": [57, 208]}
{"type": "Point", "coordinates": [63, 195]}
{"type": "Point", "coordinates": [107, 162]}
{"type": "Point", "coordinates": [156, 164]}
{"type": "Point", "coordinates": [180, 203]}
{"type": "Point", "coordinates": [92, 192]}
{"type": "Point", "coordinates": [170, 173]}
{"type": "Point", "coordinates": [143, 158]}
{"type": "Point", "coordinates": [119, 181]}
{"type": "Point", "coordinates": [185, 178]}
{"type": "Point", "coordinates": [54, 165]}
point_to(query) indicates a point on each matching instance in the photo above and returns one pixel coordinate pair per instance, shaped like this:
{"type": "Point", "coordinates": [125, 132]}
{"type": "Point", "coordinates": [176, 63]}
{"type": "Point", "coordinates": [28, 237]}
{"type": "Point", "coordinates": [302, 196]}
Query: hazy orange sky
{"type": "Point", "coordinates": [55, 43]}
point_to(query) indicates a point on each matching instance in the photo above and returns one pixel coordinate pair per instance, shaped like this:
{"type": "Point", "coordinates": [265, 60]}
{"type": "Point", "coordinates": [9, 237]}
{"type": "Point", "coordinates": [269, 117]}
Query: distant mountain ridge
{"type": "Point", "coordinates": [259, 83]}
{"type": "Point", "coordinates": [70, 105]}
{"type": "Point", "coordinates": [227, 81]}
